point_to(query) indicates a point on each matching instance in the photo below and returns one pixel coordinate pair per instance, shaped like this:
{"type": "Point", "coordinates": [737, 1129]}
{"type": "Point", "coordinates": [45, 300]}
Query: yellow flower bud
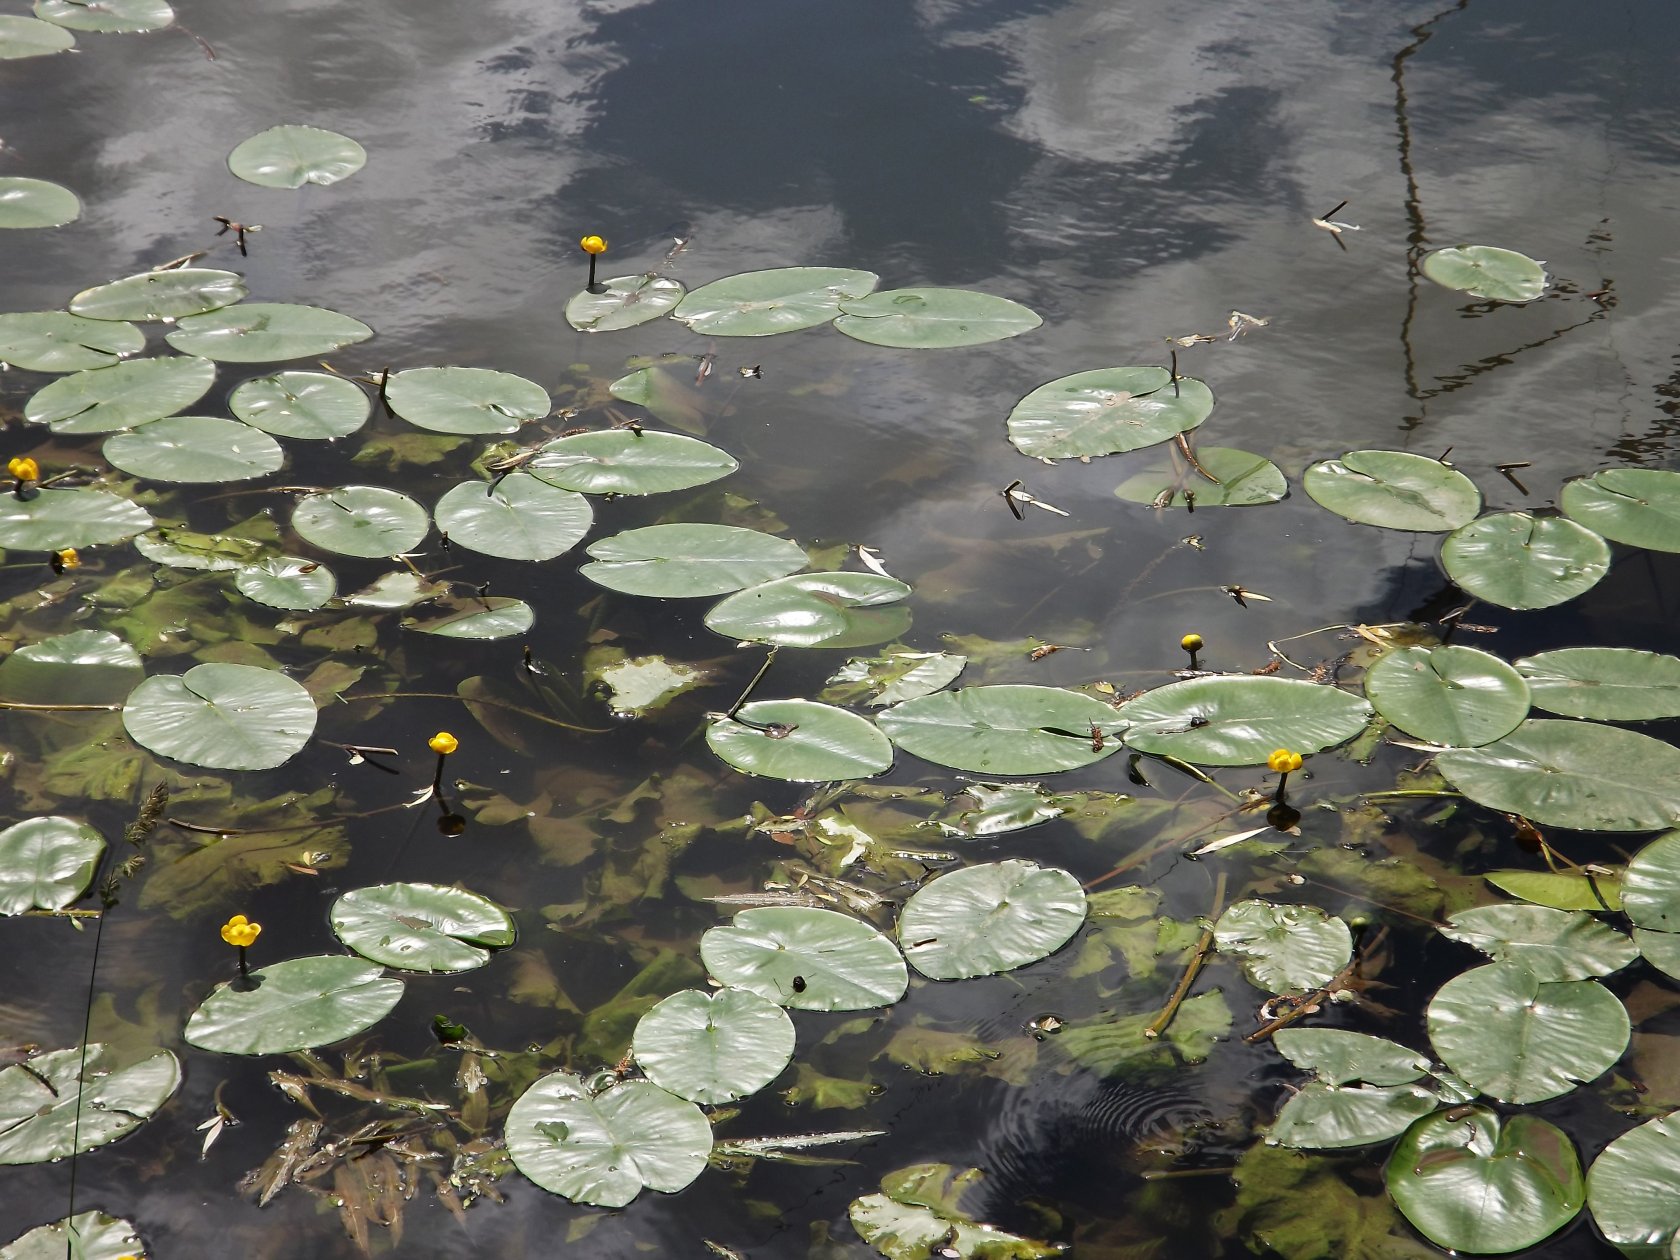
{"type": "Point", "coordinates": [594, 244]}
{"type": "Point", "coordinates": [443, 743]}
{"type": "Point", "coordinates": [240, 931]}
{"type": "Point", "coordinates": [67, 559]}
{"type": "Point", "coordinates": [1191, 643]}
{"type": "Point", "coordinates": [1284, 761]}
{"type": "Point", "coordinates": [24, 469]}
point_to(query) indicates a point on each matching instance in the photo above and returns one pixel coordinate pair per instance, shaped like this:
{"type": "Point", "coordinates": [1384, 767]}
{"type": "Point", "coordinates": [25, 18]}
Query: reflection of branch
{"type": "Point", "coordinates": [1447, 384]}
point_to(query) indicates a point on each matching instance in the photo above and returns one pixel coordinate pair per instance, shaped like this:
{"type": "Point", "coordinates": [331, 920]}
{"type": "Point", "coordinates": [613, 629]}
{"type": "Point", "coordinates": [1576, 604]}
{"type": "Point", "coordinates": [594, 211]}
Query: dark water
{"type": "Point", "coordinates": [1132, 172]}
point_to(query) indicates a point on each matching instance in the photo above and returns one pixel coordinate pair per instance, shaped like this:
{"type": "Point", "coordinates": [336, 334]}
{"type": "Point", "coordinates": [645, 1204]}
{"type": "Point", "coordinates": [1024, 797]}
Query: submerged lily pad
{"type": "Point", "coordinates": [104, 400]}
{"type": "Point", "coordinates": [918, 1214]}
{"type": "Point", "coordinates": [54, 341]}
{"type": "Point", "coordinates": [299, 1004]}
{"type": "Point", "coordinates": [1240, 479]}
{"type": "Point", "coordinates": [1107, 411]}
{"type": "Point", "coordinates": [1486, 271]}
{"type": "Point", "coordinates": [154, 295]}
{"type": "Point", "coordinates": [421, 927]}
{"type": "Point", "coordinates": [1636, 506]}
{"type": "Point", "coordinates": [81, 667]}
{"type": "Point", "coordinates": [668, 391]}
{"type": "Point", "coordinates": [31, 37]}
{"type": "Point", "coordinates": [367, 521]}
{"type": "Point", "coordinates": [981, 920]}
{"type": "Point", "coordinates": [257, 332]}
{"type": "Point", "coordinates": [1004, 730]}
{"type": "Point", "coordinates": [759, 303]}
{"type": "Point", "coordinates": [623, 302]}
{"type": "Point", "coordinates": [1240, 721]}
{"type": "Point", "coordinates": [84, 1236]}
{"type": "Point", "coordinates": [489, 617]}
{"type": "Point", "coordinates": [286, 582]}
{"type": "Point", "coordinates": [110, 17]}
{"type": "Point", "coordinates": [1394, 490]}
{"type": "Point", "coordinates": [926, 319]}
{"type": "Point", "coordinates": [1284, 949]}
{"type": "Point", "coordinates": [1553, 944]}
{"type": "Point", "coordinates": [40, 1119]}
{"type": "Point", "coordinates": [602, 1149]}
{"type": "Point", "coordinates": [622, 461]}
{"type": "Point", "coordinates": [897, 676]}
{"type": "Point", "coordinates": [1517, 560]}
{"type": "Point", "coordinates": [55, 519]}
{"type": "Point", "coordinates": [1633, 1189]}
{"type": "Point", "coordinates": [46, 863]}
{"type": "Point", "coordinates": [311, 405]}
{"type": "Point", "coordinates": [713, 1047]}
{"type": "Point", "coordinates": [807, 959]}
{"type": "Point", "coordinates": [194, 450]}
{"type": "Point", "coordinates": [36, 203]}
{"type": "Point", "coordinates": [806, 742]}
{"type": "Point", "coordinates": [683, 561]}
{"type": "Point", "coordinates": [814, 610]}
{"type": "Point", "coordinates": [224, 716]}
{"type": "Point", "coordinates": [1606, 684]}
{"type": "Point", "coordinates": [466, 400]}
{"type": "Point", "coordinates": [291, 156]}
{"type": "Point", "coordinates": [516, 517]}
{"type": "Point", "coordinates": [1448, 695]}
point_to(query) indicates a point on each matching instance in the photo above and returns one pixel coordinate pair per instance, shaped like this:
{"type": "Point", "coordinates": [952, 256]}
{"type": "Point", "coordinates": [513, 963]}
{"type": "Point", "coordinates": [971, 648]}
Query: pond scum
{"type": "Point", "coordinates": [227, 648]}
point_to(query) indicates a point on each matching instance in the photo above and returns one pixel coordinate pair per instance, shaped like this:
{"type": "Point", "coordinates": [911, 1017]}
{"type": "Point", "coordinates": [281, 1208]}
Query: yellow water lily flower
{"type": "Point", "coordinates": [240, 931]}
{"type": "Point", "coordinates": [443, 743]}
{"type": "Point", "coordinates": [594, 244]}
{"type": "Point", "coordinates": [24, 469]}
{"type": "Point", "coordinates": [1283, 761]}
{"type": "Point", "coordinates": [67, 559]}
{"type": "Point", "coordinates": [1191, 643]}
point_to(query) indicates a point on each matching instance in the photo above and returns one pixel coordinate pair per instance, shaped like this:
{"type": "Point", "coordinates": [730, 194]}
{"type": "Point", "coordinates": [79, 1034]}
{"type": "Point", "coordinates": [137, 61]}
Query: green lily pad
{"type": "Point", "coordinates": [515, 517]}
{"type": "Point", "coordinates": [683, 561]}
{"type": "Point", "coordinates": [1636, 506]}
{"type": "Point", "coordinates": [299, 1004]}
{"type": "Point", "coordinates": [981, 920]}
{"type": "Point", "coordinates": [1660, 949]}
{"type": "Point", "coordinates": [1240, 721]}
{"type": "Point", "coordinates": [1521, 1039]}
{"type": "Point", "coordinates": [1106, 411]}
{"type": "Point", "coordinates": [1004, 730]}
{"type": "Point", "coordinates": [1606, 684]}
{"type": "Point", "coordinates": [918, 1215]}
{"type": "Point", "coordinates": [1553, 944]}
{"type": "Point", "coordinates": [1651, 885]}
{"type": "Point", "coordinates": [759, 303]}
{"type": "Point", "coordinates": [1633, 1189]}
{"type": "Point", "coordinates": [286, 582]}
{"type": "Point", "coordinates": [1394, 490]}
{"type": "Point", "coordinates": [668, 391]}
{"type": "Point", "coordinates": [489, 617]}
{"type": "Point", "coordinates": [623, 302]}
{"type": "Point", "coordinates": [1486, 271]}
{"type": "Point", "coordinates": [1572, 774]}
{"type": "Point", "coordinates": [807, 959]}
{"type": "Point", "coordinates": [110, 17]}
{"type": "Point", "coordinates": [291, 156]}
{"type": "Point", "coordinates": [256, 332]}
{"type": "Point", "coordinates": [224, 716]}
{"type": "Point", "coordinates": [81, 667]}
{"type": "Point", "coordinates": [934, 319]}
{"type": "Point", "coordinates": [421, 927]}
{"type": "Point", "coordinates": [814, 610]}
{"type": "Point", "coordinates": [1242, 479]}
{"type": "Point", "coordinates": [1517, 560]}
{"type": "Point", "coordinates": [1284, 949]}
{"type": "Point", "coordinates": [31, 37]}
{"type": "Point", "coordinates": [117, 1094]}
{"type": "Point", "coordinates": [1562, 890]}
{"type": "Point", "coordinates": [55, 519]}
{"type": "Point", "coordinates": [36, 203]}
{"type": "Point", "coordinates": [898, 676]}
{"type": "Point", "coordinates": [398, 589]}
{"type": "Point", "coordinates": [622, 461]}
{"type": "Point", "coordinates": [602, 1149]}
{"type": "Point", "coordinates": [202, 553]}
{"type": "Point", "coordinates": [46, 863]}
{"type": "Point", "coordinates": [194, 450]}
{"type": "Point", "coordinates": [367, 521]}
{"type": "Point", "coordinates": [54, 341]}
{"type": "Point", "coordinates": [154, 295]}
{"type": "Point", "coordinates": [1449, 695]}
{"type": "Point", "coordinates": [84, 1236]}
{"type": "Point", "coordinates": [1472, 1180]}
{"type": "Point", "coordinates": [640, 685]}
{"type": "Point", "coordinates": [1322, 1116]}
{"type": "Point", "coordinates": [807, 742]}
{"type": "Point", "coordinates": [1004, 807]}
{"type": "Point", "coordinates": [1339, 1057]}
{"type": "Point", "coordinates": [713, 1047]}
{"type": "Point", "coordinates": [309, 405]}
{"type": "Point", "coordinates": [466, 400]}
{"type": "Point", "coordinates": [104, 400]}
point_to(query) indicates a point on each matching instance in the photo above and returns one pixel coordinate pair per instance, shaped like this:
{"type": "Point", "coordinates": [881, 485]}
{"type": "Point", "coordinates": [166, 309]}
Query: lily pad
{"type": "Point", "coordinates": [55, 519]}
{"type": "Point", "coordinates": [46, 863]}
{"type": "Point", "coordinates": [421, 927]}
{"type": "Point", "coordinates": [981, 920]}
{"type": "Point", "coordinates": [668, 391]}
{"type": "Point", "coordinates": [299, 1004]}
{"type": "Point", "coordinates": [256, 332]}
{"type": "Point", "coordinates": [224, 716]}
{"type": "Point", "coordinates": [805, 742]}
{"type": "Point", "coordinates": [31, 37]}
{"type": "Point", "coordinates": [1394, 490]}
{"type": "Point", "coordinates": [814, 610]}
{"type": "Point", "coordinates": [1106, 411]}
{"type": "Point", "coordinates": [310, 405]}
{"type": "Point", "coordinates": [110, 17]}
{"type": "Point", "coordinates": [489, 617]}
{"type": "Point", "coordinates": [1339, 1057]}
{"type": "Point", "coordinates": [84, 1236]}
{"type": "Point", "coordinates": [154, 295]}
{"type": "Point", "coordinates": [1472, 1180]}
{"type": "Point", "coordinates": [623, 302]}
{"type": "Point", "coordinates": [602, 1149]}
{"type": "Point", "coordinates": [291, 156]}
{"type": "Point", "coordinates": [104, 400]}
{"type": "Point", "coordinates": [1241, 479]}
{"type": "Point", "coordinates": [1562, 890]}
{"type": "Point", "coordinates": [367, 521]}
{"type": "Point", "coordinates": [515, 517]}
{"type": "Point", "coordinates": [1004, 730]}
{"type": "Point", "coordinates": [1240, 721]}
{"type": "Point", "coordinates": [1636, 506]}
{"type": "Point", "coordinates": [895, 677]}
{"type": "Point", "coordinates": [622, 461]}
{"type": "Point", "coordinates": [195, 450]}
{"type": "Point", "coordinates": [201, 553]}
{"type": "Point", "coordinates": [1486, 271]}
{"type": "Point", "coordinates": [81, 667]}
{"type": "Point", "coordinates": [1456, 696]}
{"type": "Point", "coordinates": [1322, 1116]}
{"type": "Point", "coordinates": [1572, 774]}
{"type": "Point", "coordinates": [713, 1047]}
{"type": "Point", "coordinates": [683, 561]}
{"type": "Point", "coordinates": [286, 582]}
{"type": "Point", "coordinates": [759, 303]}
{"type": "Point", "coordinates": [1521, 1039]}
{"type": "Point", "coordinates": [807, 959]}
{"type": "Point", "coordinates": [918, 1214]}
{"type": "Point", "coordinates": [934, 319]}
{"type": "Point", "coordinates": [1606, 684]}
{"type": "Point", "coordinates": [1517, 560]}
{"type": "Point", "coordinates": [54, 341]}
{"type": "Point", "coordinates": [1651, 885]}
{"type": "Point", "coordinates": [1553, 944]}
{"type": "Point", "coordinates": [117, 1094]}
{"type": "Point", "coordinates": [1633, 1189]}
{"type": "Point", "coordinates": [36, 203]}
{"type": "Point", "coordinates": [1284, 949]}
{"type": "Point", "coordinates": [466, 400]}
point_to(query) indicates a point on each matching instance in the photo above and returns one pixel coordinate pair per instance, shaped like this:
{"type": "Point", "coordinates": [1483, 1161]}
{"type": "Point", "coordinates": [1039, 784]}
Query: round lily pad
{"type": "Point", "coordinates": [814, 610]}
{"type": "Point", "coordinates": [1486, 271]}
{"type": "Point", "coordinates": [421, 927]}
{"type": "Point", "coordinates": [299, 1004]}
{"type": "Point", "coordinates": [515, 517]}
{"type": "Point", "coordinates": [256, 332]}
{"type": "Point", "coordinates": [622, 461]}
{"type": "Point", "coordinates": [807, 959]}
{"type": "Point", "coordinates": [1106, 411]}
{"type": "Point", "coordinates": [1633, 1189]}
{"type": "Point", "coordinates": [286, 582]}
{"type": "Point", "coordinates": [85, 1236]}
{"type": "Point", "coordinates": [1239, 479]}
{"type": "Point", "coordinates": [224, 716]}
{"type": "Point", "coordinates": [195, 450]}
{"type": "Point", "coordinates": [1553, 944]}
{"type": "Point", "coordinates": [1004, 730]}
{"type": "Point", "coordinates": [54, 341]}
{"type": "Point", "coordinates": [926, 319]}
{"type": "Point", "coordinates": [759, 303]}
{"type": "Point", "coordinates": [713, 1047]}
{"type": "Point", "coordinates": [154, 295]}
{"type": "Point", "coordinates": [81, 667]}
{"type": "Point", "coordinates": [1606, 684]}
{"type": "Point", "coordinates": [1240, 721]}
{"type": "Point", "coordinates": [31, 37]}
{"type": "Point", "coordinates": [1450, 695]}
{"type": "Point", "coordinates": [311, 405]}
{"type": "Point", "coordinates": [805, 742]}
{"type": "Point", "coordinates": [683, 561]}
{"type": "Point", "coordinates": [1394, 490]}
{"type": "Point", "coordinates": [109, 17]}
{"type": "Point", "coordinates": [466, 400]}
{"type": "Point", "coordinates": [38, 1100]}
{"type": "Point", "coordinates": [623, 302]}
{"type": "Point", "coordinates": [36, 203]}
{"type": "Point", "coordinates": [55, 519]}
{"type": "Point", "coordinates": [1636, 506]}
{"type": "Point", "coordinates": [981, 920]}
{"type": "Point", "coordinates": [1284, 949]}
{"type": "Point", "coordinates": [1517, 560]}
{"type": "Point", "coordinates": [291, 156]}
{"type": "Point", "coordinates": [46, 863]}
{"type": "Point", "coordinates": [367, 521]}
{"type": "Point", "coordinates": [104, 400]}
{"type": "Point", "coordinates": [490, 617]}
{"type": "Point", "coordinates": [1651, 885]}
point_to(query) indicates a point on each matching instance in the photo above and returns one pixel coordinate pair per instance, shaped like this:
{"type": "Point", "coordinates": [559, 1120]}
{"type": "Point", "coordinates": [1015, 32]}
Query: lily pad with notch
{"type": "Point", "coordinates": [807, 959]}
{"type": "Point", "coordinates": [194, 450]}
{"type": "Point", "coordinates": [107, 399]}
{"type": "Point", "coordinates": [85, 1236]}
{"type": "Point", "coordinates": [1284, 949]}
{"type": "Point", "coordinates": [1325, 1116]}
{"type": "Point", "coordinates": [31, 37]}
{"type": "Point", "coordinates": [1518, 560]}
{"type": "Point", "coordinates": [477, 617]}
{"type": "Point", "coordinates": [1010, 729]}
{"type": "Point", "coordinates": [1606, 684]}
{"type": "Point", "coordinates": [1235, 721]}
{"type": "Point", "coordinates": [982, 920]}
{"type": "Point", "coordinates": [685, 561]}
{"type": "Point", "coordinates": [46, 863]}
{"type": "Point", "coordinates": [157, 295]}
{"type": "Point", "coordinates": [55, 519]}
{"type": "Point", "coordinates": [466, 400]}
{"type": "Point", "coordinates": [421, 927]}
{"type": "Point", "coordinates": [56, 341]}
{"type": "Point", "coordinates": [1107, 411]}
{"type": "Point", "coordinates": [929, 319]}
{"type": "Point", "coordinates": [367, 521]}
{"type": "Point", "coordinates": [713, 1047]}
{"type": "Point", "coordinates": [761, 303]}
{"type": "Point", "coordinates": [623, 302]}
{"type": "Point", "coordinates": [1636, 506]}
{"type": "Point", "coordinates": [1457, 696]}
{"type": "Point", "coordinates": [1486, 271]}
{"type": "Point", "coordinates": [800, 741]}
{"type": "Point", "coordinates": [1633, 1189]}
{"type": "Point", "coordinates": [81, 667]}
{"type": "Point", "coordinates": [1394, 490]}
{"type": "Point", "coordinates": [299, 1004]}
{"type": "Point", "coordinates": [51, 1107]}
{"type": "Point", "coordinates": [1553, 944]}
{"type": "Point", "coordinates": [307, 405]}
{"type": "Point", "coordinates": [36, 203]}
{"type": "Point", "coordinates": [258, 332]}
{"type": "Point", "coordinates": [222, 716]}
{"type": "Point", "coordinates": [1239, 479]}
{"type": "Point", "coordinates": [288, 582]}
{"type": "Point", "coordinates": [290, 156]}
{"type": "Point", "coordinates": [516, 517]}
{"type": "Point", "coordinates": [621, 461]}
{"type": "Point", "coordinates": [832, 610]}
